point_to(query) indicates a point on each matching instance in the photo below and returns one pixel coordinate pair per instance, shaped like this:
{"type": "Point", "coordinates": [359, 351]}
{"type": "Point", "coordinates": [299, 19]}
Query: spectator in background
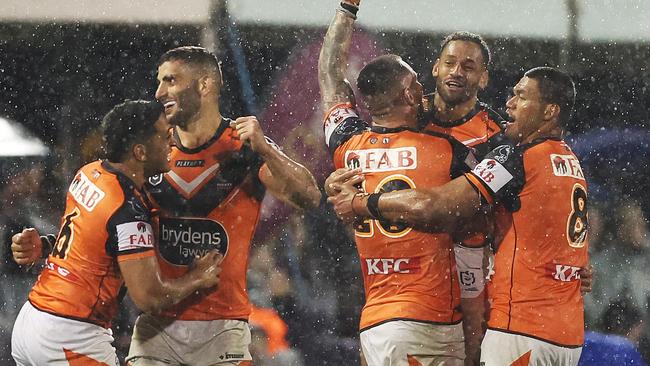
{"type": "Point", "coordinates": [623, 325]}
{"type": "Point", "coordinates": [269, 345]}
{"type": "Point", "coordinates": [621, 254]}
{"type": "Point", "coordinates": [24, 204]}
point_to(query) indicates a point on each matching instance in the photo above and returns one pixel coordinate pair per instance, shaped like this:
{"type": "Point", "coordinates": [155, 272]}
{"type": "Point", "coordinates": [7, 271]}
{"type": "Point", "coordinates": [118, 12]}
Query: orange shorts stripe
{"type": "Point", "coordinates": [77, 359]}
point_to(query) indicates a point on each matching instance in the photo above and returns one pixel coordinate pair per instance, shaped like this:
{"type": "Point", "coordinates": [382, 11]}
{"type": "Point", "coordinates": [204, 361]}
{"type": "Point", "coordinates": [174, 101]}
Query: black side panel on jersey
{"type": "Point", "coordinates": [132, 209]}
{"type": "Point", "coordinates": [236, 167]}
{"type": "Point", "coordinates": [512, 159]}
{"type": "Point", "coordinates": [345, 130]}
{"type": "Point", "coordinates": [493, 142]}
{"type": "Point", "coordinates": [462, 160]}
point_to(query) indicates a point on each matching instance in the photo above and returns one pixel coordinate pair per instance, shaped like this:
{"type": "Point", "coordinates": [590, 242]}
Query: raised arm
{"type": "Point", "coordinates": [332, 62]}
{"type": "Point", "coordinates": [286, 179]}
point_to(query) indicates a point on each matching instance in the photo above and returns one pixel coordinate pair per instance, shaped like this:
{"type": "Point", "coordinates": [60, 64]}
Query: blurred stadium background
{"type": "Point", "coordinates": [63, 64]}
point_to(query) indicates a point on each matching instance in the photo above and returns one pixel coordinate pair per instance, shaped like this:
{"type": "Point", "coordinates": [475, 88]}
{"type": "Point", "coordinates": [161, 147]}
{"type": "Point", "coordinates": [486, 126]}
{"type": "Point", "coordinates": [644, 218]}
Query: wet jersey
{"type": "Point", "coordinates": [408, 274]}
{"type": "Point", "coordinates": [481, 129]}
{"type": "Point", "coordinates": [210, 199]}
{"type": "Point", "coordinates": [535, 290]}
{"type": "Point", "coordinates": [106, 220]}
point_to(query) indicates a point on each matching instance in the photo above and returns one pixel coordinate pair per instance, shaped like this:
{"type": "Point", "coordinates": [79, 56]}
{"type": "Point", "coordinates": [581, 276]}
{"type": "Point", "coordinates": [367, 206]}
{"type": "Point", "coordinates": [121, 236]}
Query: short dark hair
{"type": "Point", "coordinates": [469, 37]}
{"type": "Point", "coordinates": [129, 123]}
{"type": "Point", "coordinates": [380, 76]}
{"type": "Point", "coordinates": [555, 87]}
{"type": "Point", "coordinates": [193, 55]}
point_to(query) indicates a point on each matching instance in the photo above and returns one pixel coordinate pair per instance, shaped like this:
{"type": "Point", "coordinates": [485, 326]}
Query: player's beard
{"type": "Point", "coordinates": [188, 107]}
{"type": "Point", "coordinates": [452, 100]}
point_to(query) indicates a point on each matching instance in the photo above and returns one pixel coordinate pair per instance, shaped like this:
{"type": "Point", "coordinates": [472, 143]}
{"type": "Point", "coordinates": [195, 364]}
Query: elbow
{"type": "Point", "coordinates": [151, 303]}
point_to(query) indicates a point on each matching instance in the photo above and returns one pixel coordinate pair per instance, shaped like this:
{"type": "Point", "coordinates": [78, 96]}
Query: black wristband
{"type": "Point", "coordinates": [373, 206]}
{"type": "Point", "coordinates": [350, 8]}
{"type": "Point", "coordinates": [47, 244]}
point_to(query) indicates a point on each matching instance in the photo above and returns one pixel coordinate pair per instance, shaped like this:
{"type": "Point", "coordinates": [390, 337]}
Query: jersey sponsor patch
{"type": "Point", "coordinates": [134, 235]}
{"type": "Point", "coordinates": [85, 192]}
{"type": "Point", "coordinates": [182, 239]}
{"type": "Point", "coordinates": [566, 166]}
{"type": "Point", "coordinates": [335, 117]}
{"type": "Point", "coordinates": [382, 160]}
{"type": "Point", "coordinates": [564, 273]}
{"type": "Point", "coordinates": [493, 174]}
{"type": "Point", "coordinates": [384, 266]}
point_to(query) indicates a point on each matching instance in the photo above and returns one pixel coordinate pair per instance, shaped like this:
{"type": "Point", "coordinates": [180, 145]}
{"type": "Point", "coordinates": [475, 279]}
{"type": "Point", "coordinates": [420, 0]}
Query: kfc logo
{"type": "Point", "coordinates": [375, 266]}
{"type": "Point", "coordinates": [564, 273]}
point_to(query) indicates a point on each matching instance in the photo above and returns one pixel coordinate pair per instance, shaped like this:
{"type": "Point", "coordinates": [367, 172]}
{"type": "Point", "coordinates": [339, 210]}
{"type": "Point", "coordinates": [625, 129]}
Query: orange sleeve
{"type": "Point", "coordinates": [138, 255]}
{"type": "Point", "coordinates": [476, 183]}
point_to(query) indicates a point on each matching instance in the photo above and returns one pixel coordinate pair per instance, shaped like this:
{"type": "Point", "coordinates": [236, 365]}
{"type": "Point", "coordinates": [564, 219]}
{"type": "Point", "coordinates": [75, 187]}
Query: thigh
{"type": "Point", "coordinates": [410, 343]}
{"type": "Point", "coordinates": [500, 348]}
{"type": "Point", "coordinates": [40, 338]}
{"type": "Point", "coordinates": [161, 341]}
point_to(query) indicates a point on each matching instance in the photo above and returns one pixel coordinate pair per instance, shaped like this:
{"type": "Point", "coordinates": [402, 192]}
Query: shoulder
{"type": "Point", "coordinates": [492, 115]}
{"type": "Point", "coordinates": [96, 187]}
{"type": "Point", "coordinates": [340, 124]}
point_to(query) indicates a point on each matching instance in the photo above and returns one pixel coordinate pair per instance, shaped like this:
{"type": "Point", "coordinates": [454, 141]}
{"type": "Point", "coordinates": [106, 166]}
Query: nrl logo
{"type": "Point", "coordinates": [156, 179]}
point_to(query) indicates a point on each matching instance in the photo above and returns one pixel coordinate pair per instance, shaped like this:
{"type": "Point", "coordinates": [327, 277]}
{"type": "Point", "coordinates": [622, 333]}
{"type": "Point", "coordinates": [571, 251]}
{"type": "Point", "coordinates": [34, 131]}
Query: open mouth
{"type": "Point", "coordinates": [169, 105]}
{"type": "Point", "coordinates": [455, 85]}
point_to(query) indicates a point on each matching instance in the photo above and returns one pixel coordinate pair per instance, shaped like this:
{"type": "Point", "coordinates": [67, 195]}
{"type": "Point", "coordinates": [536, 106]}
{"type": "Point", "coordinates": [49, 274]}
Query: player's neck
{"type": "Point", "coordinates": [547, 131]}
{"type": "Point", "coordinates": [395, 116]}
{"type": "Point", "coordinates": [133, 170]}
{"type": "Point", "coordinates": [201, 129]}
{"type": "Point", "coordinates": [447, 113]}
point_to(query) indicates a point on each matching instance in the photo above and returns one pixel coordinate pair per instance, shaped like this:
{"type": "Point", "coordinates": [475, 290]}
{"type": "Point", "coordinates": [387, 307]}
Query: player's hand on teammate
{"type": "Point", "coordinates": [342, 186]}
{"type": "Point", "coordinates": [249, 130]}
{"type": "Point", "coordinates": [587, 279]}
{"type": "Point", "coordinates": [207, 268]}
{"type": "Point", "coordinates": [26, 246]}
{"type": "Point", "coordinates": [342, 176]}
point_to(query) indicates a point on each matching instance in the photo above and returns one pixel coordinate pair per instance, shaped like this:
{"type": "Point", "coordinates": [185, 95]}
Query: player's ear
{"type": "Point", "coordinates": [205, 84]}
{"type": "Point", "coordinates": [408, 96]}
{"type": "Point", "coordinates": [552, 111]}
{"type": "Point", "coordinates": [139, 152]}
{"type": "Point", "coordinates": [434, 70]}
{"type": "Point", "coordinates": [483, 81]}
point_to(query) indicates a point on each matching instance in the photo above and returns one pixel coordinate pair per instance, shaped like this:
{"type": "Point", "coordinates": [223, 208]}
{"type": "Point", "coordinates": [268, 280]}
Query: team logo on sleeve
{"type": "Point", "coordinates": [493, 174]}
{"type": "Point", "coordinates": [335, 117]}
{"type": "Point", "coordinates": [566, 166]}
{"type": "Point", "coordinates": [85, 192]}
{"type": "Point", "coordinates": [382, 160]}
{"type": "Point", "coordinates": [182, 239]}
{"type": "Point", "coordinates": [134, 235]}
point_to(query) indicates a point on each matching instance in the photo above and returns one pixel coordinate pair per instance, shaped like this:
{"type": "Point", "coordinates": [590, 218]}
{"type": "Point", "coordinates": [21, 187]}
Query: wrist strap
{"type": "Point", "coordinates": [349, 9]}
{"type": "Point", "coordinates": [373, 206]}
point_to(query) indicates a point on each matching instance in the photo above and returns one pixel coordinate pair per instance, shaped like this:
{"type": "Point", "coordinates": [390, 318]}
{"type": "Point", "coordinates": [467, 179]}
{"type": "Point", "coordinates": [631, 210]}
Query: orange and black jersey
{"type": "Point", "coordinates": [408, 274]}
{"type": "Point", "coordinates": [481, 129]}
{"type": "Point", "coordinates": [106, 220]}
{"type": "Point", "coordinates": [535, 290]}
{"type": "Point", "coordinates": [210, 199]}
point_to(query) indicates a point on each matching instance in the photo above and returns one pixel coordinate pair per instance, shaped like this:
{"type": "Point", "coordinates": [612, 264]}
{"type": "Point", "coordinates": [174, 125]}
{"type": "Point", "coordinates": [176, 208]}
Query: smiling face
{"type": "Point", "coordinates": [158, 148]}
{"type": "Point", "coordinates": [526, 110]}
{"type": "Point", "coordinates": [460, 72]}
{"type": "Point", "coordinates": [178, 91]}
